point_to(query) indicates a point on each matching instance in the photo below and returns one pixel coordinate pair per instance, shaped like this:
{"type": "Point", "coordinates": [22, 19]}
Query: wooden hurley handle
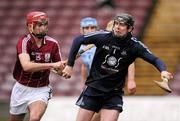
{"type": "Point", "coordinates": [77, 56]}
{"type": "Point", "coordinates": [84, 50]}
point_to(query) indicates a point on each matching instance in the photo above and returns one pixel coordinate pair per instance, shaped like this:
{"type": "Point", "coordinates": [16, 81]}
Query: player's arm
{"type": "Point", "coordinates": [83, 75]}
{"type": "Point", "coordinates": [29, 66]}
{"type": "Point", "coordinates": [56, 56]}
{"type": "Point", "coordinates": [67, 72]}
{"type": "Point", "coordinates": [131, 84]}
{"type": "Point", "coordinates": [91, 38]}
{"type": "Point", "coordinates": [145, 54]}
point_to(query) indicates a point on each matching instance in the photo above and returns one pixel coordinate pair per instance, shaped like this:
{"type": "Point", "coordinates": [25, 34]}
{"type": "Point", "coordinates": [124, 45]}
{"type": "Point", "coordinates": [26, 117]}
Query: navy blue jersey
{"type": "Point", "coordinates": [112, 58]}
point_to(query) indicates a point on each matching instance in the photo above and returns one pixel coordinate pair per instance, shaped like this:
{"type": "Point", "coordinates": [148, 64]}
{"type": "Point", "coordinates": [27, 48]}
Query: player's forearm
{"type": "Point", "coordinates": [130, 77]}
{"type": "Point", "coordinates": [31, 66]}
{"type": "Point", "coordinates": [131, 72]}
{"type": "Point", "coordinates": [84, 76]}
{"type": "Point", "coordinates": [160, 65]}
{"type": "Point", "coordinates": [83, 73]}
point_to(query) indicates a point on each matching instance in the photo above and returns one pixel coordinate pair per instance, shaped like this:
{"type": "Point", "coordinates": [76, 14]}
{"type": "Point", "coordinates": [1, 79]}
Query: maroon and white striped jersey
{"type": "Point", "coordinates": [48, 52]}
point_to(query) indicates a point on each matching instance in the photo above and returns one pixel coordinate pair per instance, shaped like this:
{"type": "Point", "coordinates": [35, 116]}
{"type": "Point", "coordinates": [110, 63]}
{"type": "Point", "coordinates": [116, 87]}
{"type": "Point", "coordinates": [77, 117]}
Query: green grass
{"type": "Point", "coordinates": [4, 111]}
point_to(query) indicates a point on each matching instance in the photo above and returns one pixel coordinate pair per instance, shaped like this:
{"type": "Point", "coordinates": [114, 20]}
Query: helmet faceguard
{"type": "Point", "coordinates": [34, 19]}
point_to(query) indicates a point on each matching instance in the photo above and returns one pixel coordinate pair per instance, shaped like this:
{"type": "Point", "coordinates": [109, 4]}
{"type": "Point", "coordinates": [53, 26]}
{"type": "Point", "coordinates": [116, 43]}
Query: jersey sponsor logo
{"type": "Point", "coordinates": [106, 47]}
{"type": "Point", "coordinates": [38, 56]}
{"type": "Point", "coordinates": [116, 47]}
{"type": "Point", "coordinates": [47, 57]}
{"type": "Point", "coordinates": [111, 61]}
{"type": "Point", "coordinates": [109, 70]}
{"type": "Point", "coordinates": [110, 64]}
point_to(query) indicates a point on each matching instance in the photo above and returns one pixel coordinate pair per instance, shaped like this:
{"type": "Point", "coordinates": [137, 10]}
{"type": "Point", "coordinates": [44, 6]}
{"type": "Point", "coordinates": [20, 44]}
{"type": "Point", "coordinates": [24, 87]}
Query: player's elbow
{"type": "Point", "coordinates": [26, 67]}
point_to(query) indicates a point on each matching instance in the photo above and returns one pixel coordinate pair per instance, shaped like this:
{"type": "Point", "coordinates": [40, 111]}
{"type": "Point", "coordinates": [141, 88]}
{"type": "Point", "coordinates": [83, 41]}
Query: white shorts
{"type": "Point", "coordinates": [22, 96]}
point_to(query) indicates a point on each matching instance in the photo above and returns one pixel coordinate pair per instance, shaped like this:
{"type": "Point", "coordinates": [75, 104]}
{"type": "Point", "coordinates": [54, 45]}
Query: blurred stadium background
{"type": "Point", "coordinates": [157, 25]}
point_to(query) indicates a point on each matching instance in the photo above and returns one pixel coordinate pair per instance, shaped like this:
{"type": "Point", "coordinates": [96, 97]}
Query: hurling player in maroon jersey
{"type": "Point", "coordinates": [37, 53]}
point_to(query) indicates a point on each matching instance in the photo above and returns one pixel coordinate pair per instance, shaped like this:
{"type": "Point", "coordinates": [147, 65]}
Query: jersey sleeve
{"type": "Point", "coordinates": [56, 53]}
{"type": "Point", "coordinates": [90, 38]}
{"type": "Point", "coordinates": [74, 49]}
{"type": "Point", "coordinates": [95, 38]}
{"type": "Point", "coordinates": [23, 46]}
{"type": "Point", "coordinates": [146, 54]}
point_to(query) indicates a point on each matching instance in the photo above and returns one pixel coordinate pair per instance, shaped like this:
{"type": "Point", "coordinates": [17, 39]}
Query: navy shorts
{"type": "Point", "coordinates": [95, 100]}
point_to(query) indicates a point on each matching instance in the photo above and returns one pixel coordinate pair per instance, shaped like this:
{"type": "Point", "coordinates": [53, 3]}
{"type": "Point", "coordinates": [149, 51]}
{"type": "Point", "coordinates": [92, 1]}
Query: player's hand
{"type": "Point", "coordinates": [66, 73]}
{"type": "Point", "coordinates": [63, 64]}
{"type": "Point", "coordinates": [131, 86]}
{"type": "Point", "coordinates": [59, 66]}
{"type": "Point", "coordinates": [166, 75]}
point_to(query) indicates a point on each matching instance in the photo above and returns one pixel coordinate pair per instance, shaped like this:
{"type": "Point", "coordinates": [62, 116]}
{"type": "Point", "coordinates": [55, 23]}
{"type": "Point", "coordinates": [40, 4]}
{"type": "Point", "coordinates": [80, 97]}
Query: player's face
{"type": "Point", "coordinates": [89, 29]}
{"type": "Point", "coordinates": [41, 27]}
{"type": "Point", "coordinates": [120, 29]}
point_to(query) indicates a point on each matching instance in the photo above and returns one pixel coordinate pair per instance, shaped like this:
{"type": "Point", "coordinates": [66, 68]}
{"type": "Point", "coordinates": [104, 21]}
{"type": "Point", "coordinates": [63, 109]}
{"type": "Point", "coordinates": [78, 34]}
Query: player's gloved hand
{"type": "Point", "coordinates": [67, 72]}
{"type": "Point", "coordinates": [166, 75]}
{"type": "Point", "coordinates": [131, 86]}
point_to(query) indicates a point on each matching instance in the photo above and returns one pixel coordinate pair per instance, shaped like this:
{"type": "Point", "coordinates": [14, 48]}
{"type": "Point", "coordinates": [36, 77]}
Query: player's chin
{"type": "Point", "coordinates": [120, 35]}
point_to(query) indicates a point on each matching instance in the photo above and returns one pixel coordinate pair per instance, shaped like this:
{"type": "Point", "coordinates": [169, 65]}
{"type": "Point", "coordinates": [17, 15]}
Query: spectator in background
{"type": "Point", "coordinates": [37, 53]}
{"type": "Point", "coordinates": [105, 3]}
{"type": "Point", "coordinates": [87, 25]}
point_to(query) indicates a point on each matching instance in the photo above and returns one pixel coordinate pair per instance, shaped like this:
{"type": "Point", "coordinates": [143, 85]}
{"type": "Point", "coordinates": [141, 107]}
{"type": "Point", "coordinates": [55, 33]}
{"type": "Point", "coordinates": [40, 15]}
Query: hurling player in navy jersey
{"type": "Point", "coordinates": [88, 25]}
{"type": "Point", "coordinates": [131, 84]}
{"type": "Point", "coordinates": [115, 51]}
{"type": "Point", "coordinates": [37, 53]}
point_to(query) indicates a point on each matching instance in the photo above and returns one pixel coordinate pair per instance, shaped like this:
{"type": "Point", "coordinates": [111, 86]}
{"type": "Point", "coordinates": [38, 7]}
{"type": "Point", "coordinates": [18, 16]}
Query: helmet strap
{"type": "Point", "coordinates": [131, 28]}
{"type": "Point", "coordinates": [39, 36]}
{"type": "Point", "coordinates": [120, 37]}
{"type": "Point", "coordinates": [31, 30]}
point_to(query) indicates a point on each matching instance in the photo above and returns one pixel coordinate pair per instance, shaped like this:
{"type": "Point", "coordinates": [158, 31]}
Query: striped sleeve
{"type": "Point", "coordinates": [22, 45]}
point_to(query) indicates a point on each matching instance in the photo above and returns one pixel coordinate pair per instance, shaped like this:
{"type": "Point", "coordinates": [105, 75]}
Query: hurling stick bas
{"type": "Point", "coordinates": [164, 85]}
